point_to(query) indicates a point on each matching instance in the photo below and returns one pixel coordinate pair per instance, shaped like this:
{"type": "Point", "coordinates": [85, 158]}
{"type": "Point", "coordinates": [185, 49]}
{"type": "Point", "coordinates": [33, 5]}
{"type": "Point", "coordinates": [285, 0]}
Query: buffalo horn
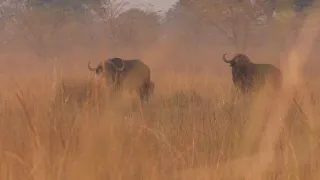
{"type": "Point", "coordinates": [121, 69]}
{"type": "Point", "coordinates": [116, 68]}
{"type": "Point", "coordinates": [91, 68]}
{"type": "Point", "coordinates": [224, 59]}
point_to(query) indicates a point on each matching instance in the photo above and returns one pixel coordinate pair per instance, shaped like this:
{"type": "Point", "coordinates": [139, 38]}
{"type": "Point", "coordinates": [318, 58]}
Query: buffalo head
{"type": "Point", "coordinates": [237, 60]}
{"type": "Point", "coordinates": [108, 70]}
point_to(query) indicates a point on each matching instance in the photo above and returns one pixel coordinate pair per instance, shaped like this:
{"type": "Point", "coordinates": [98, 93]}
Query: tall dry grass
{"type": "Point", "coordinates": [193, 130]}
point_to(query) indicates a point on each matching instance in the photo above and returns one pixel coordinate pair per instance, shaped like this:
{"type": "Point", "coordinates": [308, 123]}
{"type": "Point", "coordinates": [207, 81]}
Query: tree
{"type": "Point", "coordinates": [37, 23]}
{"type": "Point", "coordinates": [234, 19]}
{"type": "Point", "coordinates": [76, 8]}
{"type": "Point", "coordinates": [106, 11]}
{"type": "Point", "coordinates": [137, 28]}
{"type": "Point", "coordinates": [300, 5]}
{"type": "Point", "coordinates": [125, 27]}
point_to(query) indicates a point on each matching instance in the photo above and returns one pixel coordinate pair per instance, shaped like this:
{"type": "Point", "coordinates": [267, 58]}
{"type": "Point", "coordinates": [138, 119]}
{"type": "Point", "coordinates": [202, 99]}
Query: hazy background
{"type": "Point", "coordinates": [184, 34]}
{"type": "Point", "coordinates": [55, 125]}
{"type": "Point", "coordinates": [163, 6]}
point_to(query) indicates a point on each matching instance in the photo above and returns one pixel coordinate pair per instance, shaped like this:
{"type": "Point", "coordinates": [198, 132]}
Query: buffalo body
{"type": "Point", "coordinates": [248, 76]}
{"type": "Point", "coordinates": [121, 74]}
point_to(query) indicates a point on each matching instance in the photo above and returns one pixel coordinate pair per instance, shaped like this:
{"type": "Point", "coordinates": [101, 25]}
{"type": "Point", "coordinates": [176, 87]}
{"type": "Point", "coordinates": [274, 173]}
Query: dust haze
{"type": "Point", "coordinates": [196, 125]}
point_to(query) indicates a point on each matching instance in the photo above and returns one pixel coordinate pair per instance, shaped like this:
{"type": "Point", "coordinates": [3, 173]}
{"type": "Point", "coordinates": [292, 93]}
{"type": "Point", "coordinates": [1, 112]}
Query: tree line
{"type": "Point", "coordinates": [236, 20]}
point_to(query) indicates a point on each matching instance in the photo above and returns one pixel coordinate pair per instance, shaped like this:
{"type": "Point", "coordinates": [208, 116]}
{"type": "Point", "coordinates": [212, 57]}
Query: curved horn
{"type": "Point", "coordinates": [115, 67]}
{"type": "Point", "coordinates": [121, 69]}
{"type": "Point", "coordinates": [225, 60]}
{"type": "Point", "coordinates": [91, 68]}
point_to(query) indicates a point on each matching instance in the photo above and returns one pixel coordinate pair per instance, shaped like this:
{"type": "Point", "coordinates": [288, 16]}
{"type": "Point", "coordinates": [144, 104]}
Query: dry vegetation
{"type": "Point", "coordinates": [54, 125]}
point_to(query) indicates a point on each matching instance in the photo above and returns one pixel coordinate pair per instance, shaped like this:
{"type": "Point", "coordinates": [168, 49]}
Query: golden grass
{"type": "Point", "coordinates": [193, 130]}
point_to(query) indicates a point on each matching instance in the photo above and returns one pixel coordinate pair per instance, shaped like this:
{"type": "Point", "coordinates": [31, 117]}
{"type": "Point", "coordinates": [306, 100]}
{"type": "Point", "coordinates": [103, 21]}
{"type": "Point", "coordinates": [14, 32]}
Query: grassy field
{"type": "Point", "coordinates": [192, 129]}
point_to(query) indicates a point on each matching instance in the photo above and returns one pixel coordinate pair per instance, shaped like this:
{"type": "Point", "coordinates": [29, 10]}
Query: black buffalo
{"type": "Point", "coordinates": [248, 76]}
{"type": "Point", "coordinates": [122, 74]}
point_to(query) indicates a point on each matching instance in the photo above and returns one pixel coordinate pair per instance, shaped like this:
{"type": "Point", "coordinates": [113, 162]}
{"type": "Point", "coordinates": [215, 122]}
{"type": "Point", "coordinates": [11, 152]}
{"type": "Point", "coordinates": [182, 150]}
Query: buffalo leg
{"type": "Point", "coordinates": [144, 92]}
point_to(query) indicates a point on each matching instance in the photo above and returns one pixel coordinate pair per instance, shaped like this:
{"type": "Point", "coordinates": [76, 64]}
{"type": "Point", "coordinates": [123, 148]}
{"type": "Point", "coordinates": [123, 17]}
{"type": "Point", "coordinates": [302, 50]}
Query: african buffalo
{"type": "Point", "coordinates": [122, 74]}
{"type": "Point", "coordinates": [248, 76]}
